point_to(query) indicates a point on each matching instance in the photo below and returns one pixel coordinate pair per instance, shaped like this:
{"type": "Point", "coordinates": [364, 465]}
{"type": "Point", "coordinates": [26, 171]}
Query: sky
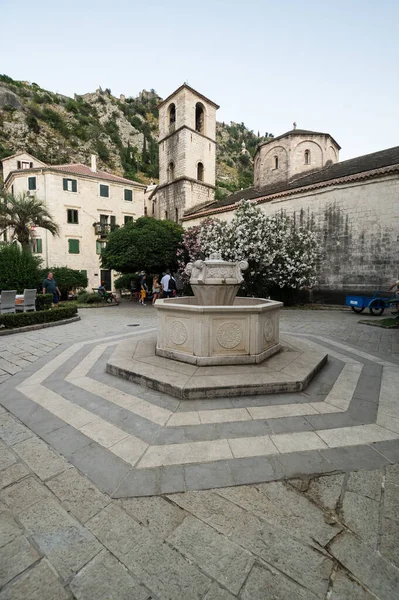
{"type": "Point", "coordinates": [328, 66]}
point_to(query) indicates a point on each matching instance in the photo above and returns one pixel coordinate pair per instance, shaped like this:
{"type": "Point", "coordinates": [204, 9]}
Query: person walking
{"type": "Point", "coordinates": [156, 289]}
{"type": "Point", "coordinates": [165, 284]}
{"type": "Point", "coordinates": [49, 286]}
{"type": "Point", "coordinates": [143, 289]}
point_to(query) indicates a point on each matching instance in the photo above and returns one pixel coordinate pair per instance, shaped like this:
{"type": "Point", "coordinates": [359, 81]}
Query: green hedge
{"type": "Point", "coordinates": [21, 319]}
{"type": "Point", "coordinates": [44, 301]}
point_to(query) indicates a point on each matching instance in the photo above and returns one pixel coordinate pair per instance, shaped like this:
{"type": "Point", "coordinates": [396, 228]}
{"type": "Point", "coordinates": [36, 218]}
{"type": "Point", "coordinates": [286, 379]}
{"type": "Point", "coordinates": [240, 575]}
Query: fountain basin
{"type": "Point", "coordinates": [245, 332]}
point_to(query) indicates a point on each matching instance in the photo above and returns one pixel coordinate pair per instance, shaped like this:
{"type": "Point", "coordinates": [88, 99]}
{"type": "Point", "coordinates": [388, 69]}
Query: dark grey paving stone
{"type": "Point", "coordinates": [257, 469]}
{"type": "Point", "coordinates": [122, 418]}
{"type": "Point", "coordinates": [244, 429]}
{"type": "Point", "coordinates": [335, 420]}
{"type": "Point", "coordinates": [362, 410]}
{"type": "Point", "coordinates": [69, 365]}
{"type": "Point", "coordinates": [289, 424]}
{"type": "Point", "coordinates": [205, 404]}
{"type": "Point", "coordinates": [158, 398]}
{"type": "Point", "coordinates": [208, 475]}
{"type": "Point", "coordinates": [354, 457]}
{"type": "Point", "coordinates": [103, 468]}
{"type": "Point", "coordinates": [151, 482]}
{"type": "Point", "coordinates": [295, 464]}
{"type": "Point", "coordinates": [389, 449]}
{"type": "Point", "coordinates": [66, 440]}
{"type": "Point", "coordinates": [189, 433]}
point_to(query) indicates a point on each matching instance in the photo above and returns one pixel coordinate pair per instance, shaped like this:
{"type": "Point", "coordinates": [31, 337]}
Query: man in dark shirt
{"type": "Point", "coordinates": [50, 287]}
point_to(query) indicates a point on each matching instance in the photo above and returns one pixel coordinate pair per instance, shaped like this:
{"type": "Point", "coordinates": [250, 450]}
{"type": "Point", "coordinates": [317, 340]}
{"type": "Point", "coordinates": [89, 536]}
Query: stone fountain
{"type": "Point", "coordinates": [215, 327]}
{"type": "Point", "coordinates": [216, 344]}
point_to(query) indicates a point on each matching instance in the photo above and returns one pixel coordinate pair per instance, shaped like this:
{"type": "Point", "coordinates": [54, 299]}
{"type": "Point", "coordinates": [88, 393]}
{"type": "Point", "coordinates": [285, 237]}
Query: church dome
{"type": "Point", "coordinates": [293, 153]}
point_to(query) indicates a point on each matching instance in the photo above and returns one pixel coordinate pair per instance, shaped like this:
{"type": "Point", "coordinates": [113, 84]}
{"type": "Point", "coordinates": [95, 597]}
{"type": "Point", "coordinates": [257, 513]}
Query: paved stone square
{"type": "Point", "coordinates": [111, 490]}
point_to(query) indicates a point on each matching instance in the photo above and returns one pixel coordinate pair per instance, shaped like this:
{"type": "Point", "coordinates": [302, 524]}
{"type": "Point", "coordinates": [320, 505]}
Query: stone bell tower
{"type": "Point", "coordinates": [187, 152]}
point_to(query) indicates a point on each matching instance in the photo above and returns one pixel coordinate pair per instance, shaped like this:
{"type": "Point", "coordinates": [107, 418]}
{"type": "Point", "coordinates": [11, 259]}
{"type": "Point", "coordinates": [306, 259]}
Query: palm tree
{"type": "Point", "coordinates": [20, 213]}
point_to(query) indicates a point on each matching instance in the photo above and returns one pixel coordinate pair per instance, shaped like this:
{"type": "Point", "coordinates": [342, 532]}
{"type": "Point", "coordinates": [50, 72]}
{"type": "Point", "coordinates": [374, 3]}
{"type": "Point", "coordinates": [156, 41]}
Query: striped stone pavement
{"type": "Point", "coordinates": [132, 441]}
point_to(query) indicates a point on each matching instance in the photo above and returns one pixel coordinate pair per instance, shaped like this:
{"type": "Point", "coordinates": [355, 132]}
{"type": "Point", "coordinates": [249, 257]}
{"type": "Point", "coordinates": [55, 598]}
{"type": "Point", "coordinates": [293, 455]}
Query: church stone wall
{"type": "Point", "coordinates": [358, 227]}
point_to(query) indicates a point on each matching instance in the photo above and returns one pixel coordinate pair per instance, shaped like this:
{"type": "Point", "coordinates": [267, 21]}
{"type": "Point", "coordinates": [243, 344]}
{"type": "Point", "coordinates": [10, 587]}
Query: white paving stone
{"type": "Point", "coordinates": [359, 434]}
{"type": "Point", "coordinates": [281, 410]}
{"type": "Point", "coordinates": [297, 442]}
{"type": "Point", "coordinates": [130, 449]}
{"type": "Point", "coordinates": [104, 433]}
{"type": "Point", "coordinates": [194, 452]}
{"type": "Point", "coordinates": [224, 416]}
{"type": "Point", "coordinates": [252, 446]}
{"type": "Point", "coordinates": [180, 419]}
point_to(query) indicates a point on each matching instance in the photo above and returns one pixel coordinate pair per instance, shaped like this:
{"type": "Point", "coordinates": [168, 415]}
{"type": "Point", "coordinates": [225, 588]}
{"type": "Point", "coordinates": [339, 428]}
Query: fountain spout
{"type": "Point", "coordinates": [215, 282]}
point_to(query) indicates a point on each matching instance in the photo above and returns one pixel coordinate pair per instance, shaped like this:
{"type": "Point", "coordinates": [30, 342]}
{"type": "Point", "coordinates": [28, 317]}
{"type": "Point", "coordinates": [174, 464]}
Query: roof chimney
{"type": "Point", "coordinates": [94, 163]}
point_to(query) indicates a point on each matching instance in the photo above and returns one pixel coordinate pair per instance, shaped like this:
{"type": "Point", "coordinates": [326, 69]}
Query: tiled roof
{"type": "Point", "coordinates": [362, 167]}
{"type": "Point", "coordinates": [79, 169]}
{"type": "Point", "coordinates": [293, 132]}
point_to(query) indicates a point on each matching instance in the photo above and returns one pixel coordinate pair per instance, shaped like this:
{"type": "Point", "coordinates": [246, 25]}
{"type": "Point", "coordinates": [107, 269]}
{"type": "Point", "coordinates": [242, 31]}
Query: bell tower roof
{"type": "Point", "coordinates": [187, 87]}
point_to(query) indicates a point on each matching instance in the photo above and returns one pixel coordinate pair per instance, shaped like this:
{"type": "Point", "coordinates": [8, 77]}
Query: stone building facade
{"type": "Point", "coordinates": [352, 205]}
{"type": "Point", "coordinates": [187, 153]}
{"type": "Point", "coordinates": [85, 203]}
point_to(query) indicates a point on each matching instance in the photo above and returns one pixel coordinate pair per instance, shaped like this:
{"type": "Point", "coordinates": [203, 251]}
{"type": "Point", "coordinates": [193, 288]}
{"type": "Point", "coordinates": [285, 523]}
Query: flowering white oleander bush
{"type": "Point", "coordinates": [281, 255]}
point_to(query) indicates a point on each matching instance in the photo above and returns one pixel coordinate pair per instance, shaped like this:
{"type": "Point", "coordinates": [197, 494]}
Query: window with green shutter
{"type": "Point", "coordinates": [73, 246]}
{"type": "Point", "coordinates": [70, 185]}
{"type": "Point", "coordinates": [100, 246]}
{"type": "Point", "coordinates": [37, 246]}
{"type": "Point", "coordinates": [104, 190]}
{"type": "Point", "coordinates": [72, 216]}
{"type": "Point", "coordinates": [129, 195]}
{"type": "Point", "coordinates": [32, 183]}
{"type": "Point", "coordinates": [128, 219]}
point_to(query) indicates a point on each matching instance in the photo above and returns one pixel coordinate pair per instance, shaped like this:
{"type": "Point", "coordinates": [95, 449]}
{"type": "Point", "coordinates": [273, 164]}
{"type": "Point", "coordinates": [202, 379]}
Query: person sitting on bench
{"type": "Point", "coordinates": [108, 296]}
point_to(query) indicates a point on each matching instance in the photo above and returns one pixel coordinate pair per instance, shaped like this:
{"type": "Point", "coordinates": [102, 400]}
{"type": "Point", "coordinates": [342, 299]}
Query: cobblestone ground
{"type": "Point", "coordinates": [333, 536]}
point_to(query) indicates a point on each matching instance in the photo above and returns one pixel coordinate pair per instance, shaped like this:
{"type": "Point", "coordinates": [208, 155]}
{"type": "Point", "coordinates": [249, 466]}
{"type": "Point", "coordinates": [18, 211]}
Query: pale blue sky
{"type": "Point", "coordinates": [329, 66]}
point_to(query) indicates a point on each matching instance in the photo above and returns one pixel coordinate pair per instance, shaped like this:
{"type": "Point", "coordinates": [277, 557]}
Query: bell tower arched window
{"type": "Point", "coordinates": [200, 171]}
{"type": "Point", "coordinates": [276, 162]}
{"type": "Point", "coordinates": [199, 118]}
{"type": "Point", "coordinates": [307, 157]}
{"type": "Point", "coordinates": [171, 171]}
{"type": "Point", "coordinates": [171, 115]}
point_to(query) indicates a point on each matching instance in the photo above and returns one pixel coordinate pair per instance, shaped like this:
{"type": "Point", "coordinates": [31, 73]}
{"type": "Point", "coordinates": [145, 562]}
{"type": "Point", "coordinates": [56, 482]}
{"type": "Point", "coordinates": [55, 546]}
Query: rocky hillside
{"type": "Point", "coordinates": [121, 131]}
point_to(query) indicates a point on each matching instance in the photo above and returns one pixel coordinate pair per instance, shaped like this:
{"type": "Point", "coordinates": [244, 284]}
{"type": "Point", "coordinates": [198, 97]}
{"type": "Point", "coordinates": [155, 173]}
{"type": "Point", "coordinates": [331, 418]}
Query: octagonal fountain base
{"type": "Point", "coordinates": [288, 371]}
{"type": "Point", "coordinates": [244, 332]}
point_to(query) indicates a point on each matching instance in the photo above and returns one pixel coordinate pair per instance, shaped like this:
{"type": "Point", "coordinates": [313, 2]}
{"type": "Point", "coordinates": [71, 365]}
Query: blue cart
{"type": "Point", "coordinates": [376, 303]}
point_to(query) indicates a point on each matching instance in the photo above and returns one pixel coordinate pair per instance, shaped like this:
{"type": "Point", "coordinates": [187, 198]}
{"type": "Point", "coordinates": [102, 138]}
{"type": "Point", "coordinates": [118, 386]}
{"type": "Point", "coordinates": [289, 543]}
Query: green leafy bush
{"type": "Point", "coordinates": [67, 279]}
{"type": "Point", "coordinates": [16, 320]}
{"type": "Point", "coordinates": [44, 301]}
{"type": "Point", "coordinates": [55, 120]}
{"type": "Point", "coordinates": [19, 270]}
{"type": "Point", "coordinates": [123, 282]}
{"type": "Point", "coordinates": [89, 298]}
